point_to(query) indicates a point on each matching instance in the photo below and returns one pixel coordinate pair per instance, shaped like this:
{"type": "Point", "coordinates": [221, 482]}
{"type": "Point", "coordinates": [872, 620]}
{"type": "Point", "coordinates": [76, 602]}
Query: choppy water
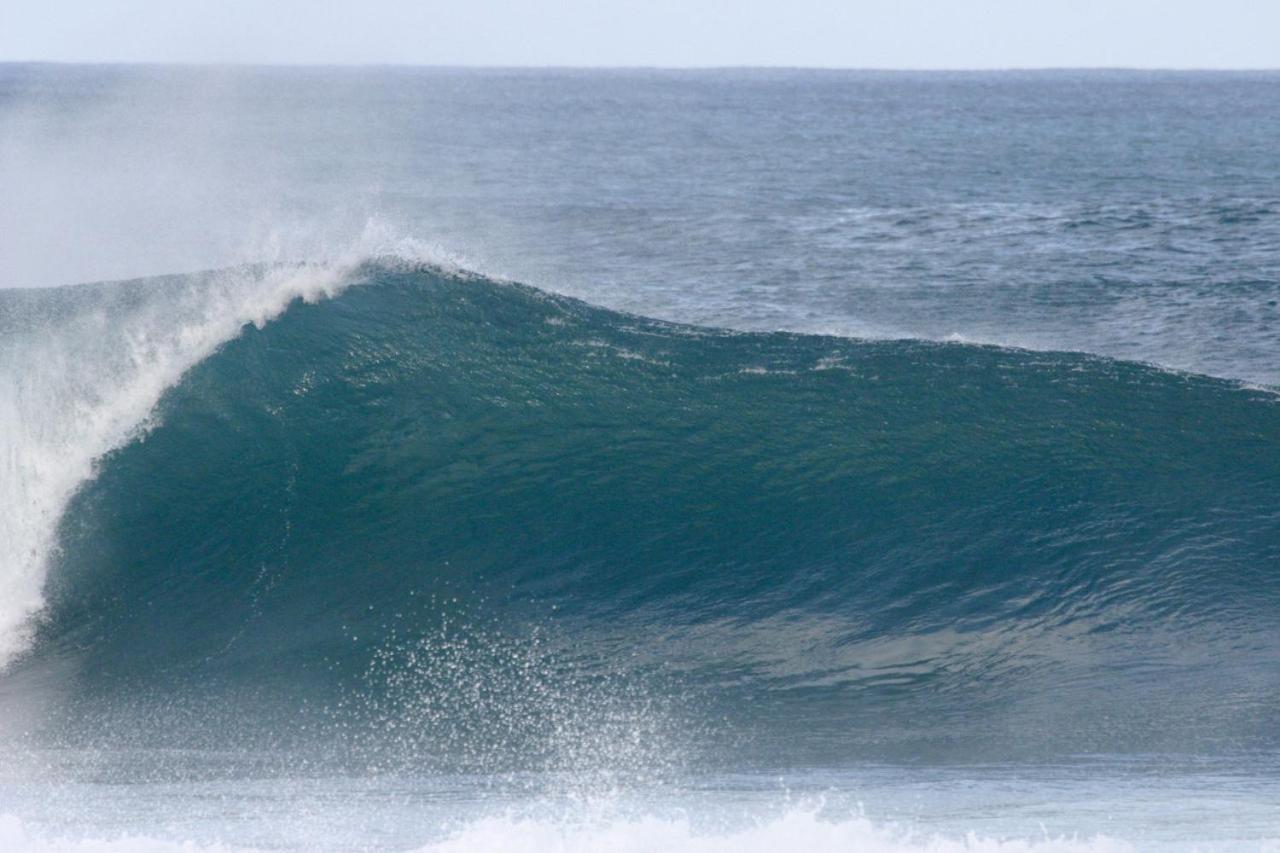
{"type": "Point", "coordinates": [353, 543]}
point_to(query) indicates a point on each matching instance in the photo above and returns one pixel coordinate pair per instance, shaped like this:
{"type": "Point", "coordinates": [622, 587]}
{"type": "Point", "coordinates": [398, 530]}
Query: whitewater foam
{"type": "Point", "coordinates": [799, 828]}
{"type": "Point", "coordinates": [14, 837]}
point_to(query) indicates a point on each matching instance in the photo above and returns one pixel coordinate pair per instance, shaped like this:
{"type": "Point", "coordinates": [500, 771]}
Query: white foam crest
{"type": "Point", "coordinates": [85, 381]}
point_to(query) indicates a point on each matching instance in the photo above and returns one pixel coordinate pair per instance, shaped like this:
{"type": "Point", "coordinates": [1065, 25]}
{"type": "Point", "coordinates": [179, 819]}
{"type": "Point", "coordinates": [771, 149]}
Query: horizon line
{"type": "Point", "coordinates": [646, 67]}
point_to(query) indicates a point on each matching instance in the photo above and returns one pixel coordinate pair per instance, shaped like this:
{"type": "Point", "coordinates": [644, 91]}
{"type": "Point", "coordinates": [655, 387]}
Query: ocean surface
{"type": "Point", "coordinates": [443, 460]}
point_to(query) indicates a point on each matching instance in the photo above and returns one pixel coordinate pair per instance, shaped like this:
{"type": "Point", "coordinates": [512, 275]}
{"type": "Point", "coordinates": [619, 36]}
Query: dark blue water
{"type": "Point", "coordinates": [913, 442]}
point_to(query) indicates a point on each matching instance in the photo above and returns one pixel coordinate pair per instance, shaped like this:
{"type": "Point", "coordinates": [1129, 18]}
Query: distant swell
{"type": "Point", "coordinates": [873, 547]}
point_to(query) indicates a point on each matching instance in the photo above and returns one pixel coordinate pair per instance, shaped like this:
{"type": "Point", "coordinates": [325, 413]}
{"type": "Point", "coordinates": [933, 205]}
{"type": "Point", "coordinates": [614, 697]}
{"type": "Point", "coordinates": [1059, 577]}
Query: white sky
{"type": "Point", "coordinates": [824, 33]}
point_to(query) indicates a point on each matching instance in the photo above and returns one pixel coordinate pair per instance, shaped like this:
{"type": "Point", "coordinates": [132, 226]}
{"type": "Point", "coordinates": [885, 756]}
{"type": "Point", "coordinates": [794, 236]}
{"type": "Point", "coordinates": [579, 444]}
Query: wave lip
{"type": "Point", "coordinates": [81, 372]}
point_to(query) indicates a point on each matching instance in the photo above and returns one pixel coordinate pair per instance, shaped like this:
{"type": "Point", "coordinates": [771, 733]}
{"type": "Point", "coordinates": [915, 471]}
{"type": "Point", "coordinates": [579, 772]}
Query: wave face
{"type": "Point", "coordinates": [825, 546]}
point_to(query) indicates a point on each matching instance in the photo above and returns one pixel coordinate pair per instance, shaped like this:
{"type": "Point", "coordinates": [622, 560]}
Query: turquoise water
{"type": "Point", "coordinates": [372, 550]}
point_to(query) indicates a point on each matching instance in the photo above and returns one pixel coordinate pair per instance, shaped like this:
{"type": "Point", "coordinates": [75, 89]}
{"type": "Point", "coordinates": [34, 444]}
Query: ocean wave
{"type": "Point", "coordinates": [892, 545]}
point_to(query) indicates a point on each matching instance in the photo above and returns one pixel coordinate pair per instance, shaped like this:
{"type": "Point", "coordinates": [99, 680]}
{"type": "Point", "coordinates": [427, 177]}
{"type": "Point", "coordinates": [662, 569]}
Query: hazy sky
{"type": "Point", "coordinates": [832, 33]}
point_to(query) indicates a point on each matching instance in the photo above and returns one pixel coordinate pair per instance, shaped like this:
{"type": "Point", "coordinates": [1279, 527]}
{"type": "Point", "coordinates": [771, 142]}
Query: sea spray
{"type": "Point", "coordinates": [81, 371]}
